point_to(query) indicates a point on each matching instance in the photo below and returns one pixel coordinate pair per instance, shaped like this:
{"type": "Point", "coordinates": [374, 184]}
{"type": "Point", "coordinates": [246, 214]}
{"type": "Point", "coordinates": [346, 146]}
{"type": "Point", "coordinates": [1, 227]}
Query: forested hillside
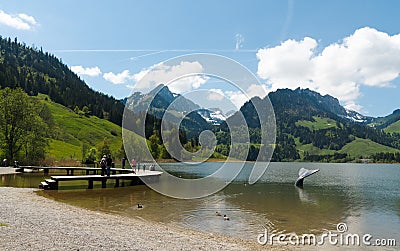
{"type": "Point", "coordinates": [309, 126]}
{"type": "Point", "coordinates": [36, 72]}
{"type": "Point", "coordinates": [312, 127]}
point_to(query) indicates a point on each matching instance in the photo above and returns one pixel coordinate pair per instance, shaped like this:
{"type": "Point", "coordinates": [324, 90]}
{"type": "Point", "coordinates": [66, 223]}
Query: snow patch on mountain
{"type": "Point", "coordinates": [356, 117]}
{"type": "Point", "coordinates": [215, 117]}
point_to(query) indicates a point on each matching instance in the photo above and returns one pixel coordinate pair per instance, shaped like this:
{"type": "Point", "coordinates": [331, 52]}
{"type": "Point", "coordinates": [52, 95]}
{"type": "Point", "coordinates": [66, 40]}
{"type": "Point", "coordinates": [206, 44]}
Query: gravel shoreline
{"type": "Point", "coordinates": [32, 222]}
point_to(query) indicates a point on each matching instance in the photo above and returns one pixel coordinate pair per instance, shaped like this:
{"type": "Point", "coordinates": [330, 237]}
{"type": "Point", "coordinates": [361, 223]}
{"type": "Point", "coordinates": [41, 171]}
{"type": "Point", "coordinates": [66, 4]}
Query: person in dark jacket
{"type": "Point", "coordinates": [103, 164]}
{"type": "Point", "coordinates": [123, 160]}
{"type": "Point", "coordinates": [108, 164]}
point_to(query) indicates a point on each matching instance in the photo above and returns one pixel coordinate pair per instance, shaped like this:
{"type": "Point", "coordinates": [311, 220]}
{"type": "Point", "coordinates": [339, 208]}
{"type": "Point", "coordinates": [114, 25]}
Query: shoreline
{"type": "Point", "coordinates": [31, 222]}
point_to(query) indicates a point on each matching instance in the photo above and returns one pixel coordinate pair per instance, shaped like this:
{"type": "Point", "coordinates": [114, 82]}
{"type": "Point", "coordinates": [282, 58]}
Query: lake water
{"type": "Point", "coordinates": [364, 196]}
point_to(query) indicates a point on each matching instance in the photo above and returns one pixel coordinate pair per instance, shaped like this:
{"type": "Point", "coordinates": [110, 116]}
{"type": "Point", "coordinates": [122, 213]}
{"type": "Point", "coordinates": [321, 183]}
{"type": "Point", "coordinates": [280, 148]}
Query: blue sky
{"type": "Point", "coordinates": [348, 49]}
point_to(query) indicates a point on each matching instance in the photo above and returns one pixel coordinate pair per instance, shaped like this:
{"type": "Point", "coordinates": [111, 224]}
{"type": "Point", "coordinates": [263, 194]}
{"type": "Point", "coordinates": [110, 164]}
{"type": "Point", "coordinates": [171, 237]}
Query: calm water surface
{"type": "Point", "coordinates": [365, 197]}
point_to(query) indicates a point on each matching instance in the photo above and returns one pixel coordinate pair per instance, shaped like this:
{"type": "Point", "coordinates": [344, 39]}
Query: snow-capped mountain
{"type": "Point", "coordinates": [357, 117]}
{"type": "Point", "coordinates": [212, 115]}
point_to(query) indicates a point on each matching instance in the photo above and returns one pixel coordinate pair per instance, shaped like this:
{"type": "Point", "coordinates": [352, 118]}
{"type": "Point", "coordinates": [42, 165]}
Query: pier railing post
{"type": "Point", "coordinates": [90, 186]}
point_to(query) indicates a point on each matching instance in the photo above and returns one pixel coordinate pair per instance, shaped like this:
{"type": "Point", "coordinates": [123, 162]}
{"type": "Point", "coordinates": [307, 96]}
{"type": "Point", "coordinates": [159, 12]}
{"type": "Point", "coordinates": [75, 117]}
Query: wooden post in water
{"type": "Point", "coordinates": [90, 186]}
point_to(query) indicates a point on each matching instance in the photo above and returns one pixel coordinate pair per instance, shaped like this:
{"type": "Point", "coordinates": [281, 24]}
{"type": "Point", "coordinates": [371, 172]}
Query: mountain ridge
{"type": "Point", "coordinates": [37, 72]}
{"type": "Point", "coordinates": [307, 123]}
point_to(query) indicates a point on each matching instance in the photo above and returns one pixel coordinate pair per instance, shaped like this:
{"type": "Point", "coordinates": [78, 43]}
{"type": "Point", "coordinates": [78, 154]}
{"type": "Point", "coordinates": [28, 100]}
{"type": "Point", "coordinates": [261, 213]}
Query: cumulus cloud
{"type": "Point", "coordinates": [187, 83]}
{"type": "Point", "coordinates": [215, 95]}
{"type": "Point", "coordinates": [353, 106]}
{"type": "Point", "coordinates": [89, 71]}
{"type": "Point", "coordinates": [180, 78]}
{"type": "Point", "coordinates": [119, 78]}
{"type": "Point", "coordinates": [238, 98]}
{"type": "Point", "coordinates": [367, 57]}
{"type": "Point", "coordinates": [17, 21]}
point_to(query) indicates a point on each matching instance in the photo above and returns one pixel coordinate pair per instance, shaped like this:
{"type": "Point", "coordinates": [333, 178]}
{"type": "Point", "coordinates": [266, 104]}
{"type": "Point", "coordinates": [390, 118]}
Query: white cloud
{"type": "Point", "coordinates": [215, 95]}
{"type": "Point", "coordinates": [239, 41]}
{"type": "Point", "coordinates": [27, 18]}
{"type": "Point", "coordinates": [238, 98]}
{"type": "Point", "coordinates": [353, 106]}
{"type": "Point", "coordinates": [119, 78]}
{"type": "Point", "coordinates": [368, 57]}
{"type": "Point", "coordinates": [18, 21]}
{"type": "Point", "coordinates": [89, 71]}
{"type": "Point", "coordinates": [186, 84]}
{"type": "Point", "coordinates": [257, 90]}
{"type": "Point", "coordinates": [186, 76]}
{"type": "Point", "coordinates": [288, 64]}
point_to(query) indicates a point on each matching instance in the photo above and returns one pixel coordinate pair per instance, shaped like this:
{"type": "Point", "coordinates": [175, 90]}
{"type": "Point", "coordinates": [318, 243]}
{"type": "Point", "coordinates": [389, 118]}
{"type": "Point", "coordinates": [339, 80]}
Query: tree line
{"type": "Point", "coordinates": [36, 71]}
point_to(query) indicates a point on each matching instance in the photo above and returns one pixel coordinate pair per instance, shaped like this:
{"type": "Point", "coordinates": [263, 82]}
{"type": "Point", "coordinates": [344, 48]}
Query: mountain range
{"type": "Point", "coordinates": [310, 126]}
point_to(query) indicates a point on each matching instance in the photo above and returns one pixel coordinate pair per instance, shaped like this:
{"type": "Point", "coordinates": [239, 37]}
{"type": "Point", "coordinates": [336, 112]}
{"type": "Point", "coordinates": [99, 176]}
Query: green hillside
{"type": "Point", "coordinates": [72, 133]}
{"type": "Point", "coordinates": [365, 147]}
{"type": "Point", "coordinates": [36, 71]}
{"type": "Point", "coordinates": [393, 128]}
{"type": "Point", "coordinates": [311, 149]}
{"type": "Point", "coordinates": [318, 123]}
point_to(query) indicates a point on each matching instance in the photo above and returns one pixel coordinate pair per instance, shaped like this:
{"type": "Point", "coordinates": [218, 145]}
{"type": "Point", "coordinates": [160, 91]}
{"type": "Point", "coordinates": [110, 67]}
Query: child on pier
{"type": "Point", "coordinates": [103, 164]}
{"type": "Point", "coordinates": [133, 163]}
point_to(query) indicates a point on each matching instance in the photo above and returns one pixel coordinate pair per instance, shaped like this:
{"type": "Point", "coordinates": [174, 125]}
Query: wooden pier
{"type": "Point", "coordinates": [135, 178]}
{"type": "Point", "coordinates": [70, 169]}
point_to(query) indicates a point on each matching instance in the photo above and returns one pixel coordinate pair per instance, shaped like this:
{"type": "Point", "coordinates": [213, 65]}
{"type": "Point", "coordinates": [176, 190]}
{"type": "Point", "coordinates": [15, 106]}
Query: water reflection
{"type": "Point", "coordinates": [305, 197]}
{"type": "Point", "coordinates": [289, 209]}
{"type": "Point", "coordinates": [249, 207]}
{"type": "Point", "coordinates": [22, 179]}
{"type": "Point", "coordinates": [363, 196]}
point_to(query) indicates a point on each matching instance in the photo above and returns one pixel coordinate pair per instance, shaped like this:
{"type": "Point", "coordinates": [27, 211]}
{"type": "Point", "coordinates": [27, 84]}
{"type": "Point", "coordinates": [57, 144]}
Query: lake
{"type": "Point", "coordinates": [364, 196]}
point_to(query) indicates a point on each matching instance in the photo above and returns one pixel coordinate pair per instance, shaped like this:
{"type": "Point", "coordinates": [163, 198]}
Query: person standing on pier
{"type": "Point", "coordinates": [123, 162]}
{"type": "Point", "coordinates": [109, 163]}
{"type": "Point", "coordinates": [103, 164]}
{"type": "Point", "coordinates": [133, 164]}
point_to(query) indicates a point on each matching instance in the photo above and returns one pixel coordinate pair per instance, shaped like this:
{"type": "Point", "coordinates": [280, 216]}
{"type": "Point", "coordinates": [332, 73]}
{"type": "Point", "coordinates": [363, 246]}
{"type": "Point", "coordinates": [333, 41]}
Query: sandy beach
{"type": "Point", "coordinates": [31, 222]}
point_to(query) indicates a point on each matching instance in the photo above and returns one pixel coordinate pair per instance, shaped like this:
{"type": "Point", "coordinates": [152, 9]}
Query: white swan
{"type": "Point", "coordinates": [303, 173]}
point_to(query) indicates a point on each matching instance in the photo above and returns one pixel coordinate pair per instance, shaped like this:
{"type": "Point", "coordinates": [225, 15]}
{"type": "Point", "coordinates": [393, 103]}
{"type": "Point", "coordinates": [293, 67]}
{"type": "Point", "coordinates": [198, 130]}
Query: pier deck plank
{"type": "Point", "coordinates": [134, 177]}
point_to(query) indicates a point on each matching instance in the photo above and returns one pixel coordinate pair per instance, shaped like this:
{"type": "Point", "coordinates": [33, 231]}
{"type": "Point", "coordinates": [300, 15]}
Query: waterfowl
{"type": "Point", "coordinates": [139, 206]}
{"type": "Point", "coordinates": [226, 217]}
{"type": "Point", "coordinates": [217, 214]}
